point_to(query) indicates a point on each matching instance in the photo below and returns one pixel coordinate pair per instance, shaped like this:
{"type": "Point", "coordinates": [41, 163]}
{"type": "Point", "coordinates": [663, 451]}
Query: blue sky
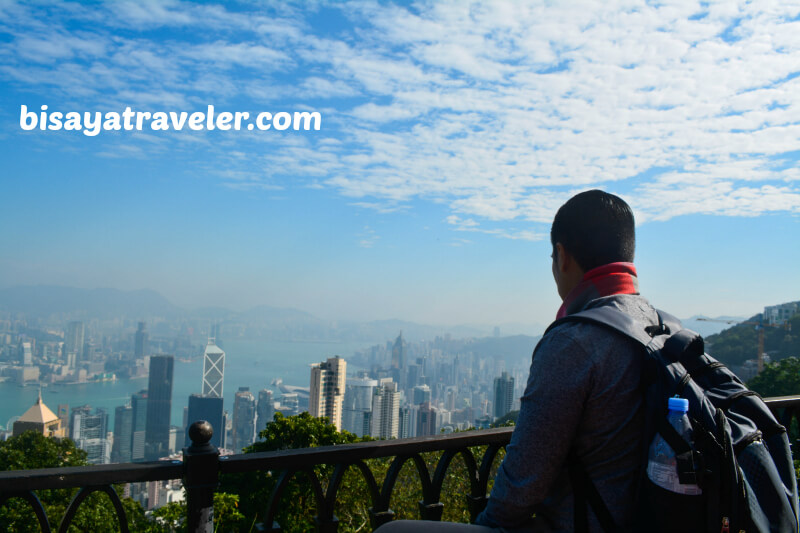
{"type": "Point", "coordinates": [451, 132]}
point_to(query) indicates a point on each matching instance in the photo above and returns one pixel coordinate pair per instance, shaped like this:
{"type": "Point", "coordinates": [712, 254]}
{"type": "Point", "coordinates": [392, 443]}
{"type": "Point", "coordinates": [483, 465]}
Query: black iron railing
{"type": "Point", "coordinates": [202, 466]}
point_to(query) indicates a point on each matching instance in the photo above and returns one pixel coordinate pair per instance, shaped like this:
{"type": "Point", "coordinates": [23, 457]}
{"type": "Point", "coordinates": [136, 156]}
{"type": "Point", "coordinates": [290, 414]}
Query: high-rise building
{"type": "Point", "coordinates": [406, 426]}
{"type": "Point", "coordinates": [26, 353]}
{"type": "Point", "coordinates": [422, 394]}
{"type": "Point", "coordinates": [503, 394]}
{"type": "Point", "coordinates": [244, 419]}
{"type": "Point", "coordinates": [357, 401]}
{"type": "Point", "coordinates": [140, 342]}
{"type": "Point", "coordinates": [413, 375]}
{"type": "Point", "coordinates": [327, 390]}
{"type": "Point", "coordinates": [427, 420]}
{"type": "Point", "coordinates": [213, 370]}
{"type": "Point", "coordinates": [265, 409]}
{"type": "Point", "coordinates": [63, 414]}
{"type": "Point", "coordinates": [123, 434]}
{"type": "Point", "coordinates": [73, 343]}
{"type": "Point", "coordinates": [139, 425]}
{"type": "Point", "coordinates": [89, 431]}
{"type": "Point", "coordinates": [159, 406]}
{"type": "Point", "coordinates": [206, 408]}
{"type": "Point", "coordinates": [39, 418]}
{"type": "Point", "coordinates": [399, 352]}
{"type": "Point", "coordinates": [386, 410]}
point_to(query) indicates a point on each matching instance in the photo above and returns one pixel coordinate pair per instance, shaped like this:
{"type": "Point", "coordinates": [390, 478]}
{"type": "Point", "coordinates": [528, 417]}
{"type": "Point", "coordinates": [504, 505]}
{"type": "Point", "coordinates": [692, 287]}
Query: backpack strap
{"type": "Point", "coordinates": [584, 491]}
{"type": "Point", "coordinates": [615, 319]}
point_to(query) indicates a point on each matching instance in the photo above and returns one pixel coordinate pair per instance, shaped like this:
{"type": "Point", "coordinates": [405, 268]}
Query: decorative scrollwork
{"type": "Point", "coordinates": [33, 500]}
{"type": "Point", "coordinates": [394, 471]}
{"type": "Point", "coordinates": [84, 493]}
{"type": "Point", "coordinates": [283, 482]}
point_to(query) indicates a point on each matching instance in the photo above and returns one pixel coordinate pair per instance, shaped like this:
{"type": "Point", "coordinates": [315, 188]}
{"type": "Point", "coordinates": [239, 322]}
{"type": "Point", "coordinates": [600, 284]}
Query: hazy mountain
{"type": "Point", "coordinates": [44, 301]}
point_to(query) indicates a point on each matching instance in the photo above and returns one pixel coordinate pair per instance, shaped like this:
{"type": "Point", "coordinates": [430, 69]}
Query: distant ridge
{"type": "Point", "coordinates": [59, 304]}
{"type": "Point", "coordinates": [47, 300]}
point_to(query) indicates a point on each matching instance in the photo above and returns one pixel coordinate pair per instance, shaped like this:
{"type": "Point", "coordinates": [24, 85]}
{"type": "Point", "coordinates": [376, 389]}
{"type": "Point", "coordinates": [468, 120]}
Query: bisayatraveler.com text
{"type": "Point", "coordinates": [91, 123]}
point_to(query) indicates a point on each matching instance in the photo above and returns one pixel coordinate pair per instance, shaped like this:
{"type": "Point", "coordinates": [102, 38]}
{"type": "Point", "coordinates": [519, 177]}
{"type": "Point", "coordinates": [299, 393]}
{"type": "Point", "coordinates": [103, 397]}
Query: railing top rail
{"type": "Point", "coordinates": [84, 476]}
{"type": "Point", "coordinates": [346, 453]}
{"type": "Point", "coordinates": [778, 402]}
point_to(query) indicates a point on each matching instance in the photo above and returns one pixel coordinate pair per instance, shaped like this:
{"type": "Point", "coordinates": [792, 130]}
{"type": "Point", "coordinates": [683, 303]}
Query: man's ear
{"type": "Point", "coordinates": [563, 258]}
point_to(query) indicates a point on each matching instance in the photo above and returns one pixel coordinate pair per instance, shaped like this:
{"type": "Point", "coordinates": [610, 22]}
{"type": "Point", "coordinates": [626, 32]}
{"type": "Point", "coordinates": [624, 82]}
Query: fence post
{"type": "Point", "coordinates": [201, 477]}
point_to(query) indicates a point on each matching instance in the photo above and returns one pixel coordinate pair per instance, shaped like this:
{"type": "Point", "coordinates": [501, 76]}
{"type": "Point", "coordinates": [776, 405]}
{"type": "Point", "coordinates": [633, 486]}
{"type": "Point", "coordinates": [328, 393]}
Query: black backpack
{"type": "Point", "coordinates": [740, 457]}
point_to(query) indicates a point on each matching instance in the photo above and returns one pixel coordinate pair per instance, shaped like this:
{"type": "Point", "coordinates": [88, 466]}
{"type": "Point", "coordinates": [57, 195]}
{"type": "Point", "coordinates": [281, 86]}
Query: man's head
{"type": "Point", "coordinates": [592, 229]}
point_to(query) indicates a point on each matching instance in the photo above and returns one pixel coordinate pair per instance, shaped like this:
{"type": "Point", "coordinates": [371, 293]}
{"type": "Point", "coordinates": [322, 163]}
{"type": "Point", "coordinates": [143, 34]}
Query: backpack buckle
{"type": "Point", "coordinates": [690, 468]}
{"type": "Point", "coordinates": [660, 329]}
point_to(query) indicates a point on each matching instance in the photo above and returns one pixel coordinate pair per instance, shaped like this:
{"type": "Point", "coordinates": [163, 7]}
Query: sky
{"type": "Point", "coordinates": [450, 134]}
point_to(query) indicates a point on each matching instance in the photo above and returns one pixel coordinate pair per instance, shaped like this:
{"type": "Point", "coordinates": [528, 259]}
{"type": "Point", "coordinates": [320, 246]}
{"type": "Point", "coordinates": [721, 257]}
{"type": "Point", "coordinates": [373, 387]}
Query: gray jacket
{"type": "Point", "coordinates": [583, 392]}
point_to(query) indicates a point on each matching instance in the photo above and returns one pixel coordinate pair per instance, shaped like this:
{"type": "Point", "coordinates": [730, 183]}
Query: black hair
{"type": "Point", "coordinates": [596, 228]}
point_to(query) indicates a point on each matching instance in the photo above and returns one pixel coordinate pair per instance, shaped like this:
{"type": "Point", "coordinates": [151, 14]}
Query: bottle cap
{"type": "Point", "coordinates": [678, 404]}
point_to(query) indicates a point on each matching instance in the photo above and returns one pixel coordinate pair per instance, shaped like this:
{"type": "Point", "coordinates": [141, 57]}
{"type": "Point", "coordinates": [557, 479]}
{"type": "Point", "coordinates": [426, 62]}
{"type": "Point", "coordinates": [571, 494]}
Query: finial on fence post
{"type": "Point", "coordinates": [201, 477]}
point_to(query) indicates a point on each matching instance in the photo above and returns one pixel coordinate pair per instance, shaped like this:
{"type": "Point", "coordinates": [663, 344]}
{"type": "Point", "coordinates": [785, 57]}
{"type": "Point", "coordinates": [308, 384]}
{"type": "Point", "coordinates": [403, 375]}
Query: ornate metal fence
{"type": "Point", "coordinates": [202, 466]}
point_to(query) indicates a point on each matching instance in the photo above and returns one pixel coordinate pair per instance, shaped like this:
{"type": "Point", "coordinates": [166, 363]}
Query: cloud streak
{"type": "Point", "coordinates": [497, 110]}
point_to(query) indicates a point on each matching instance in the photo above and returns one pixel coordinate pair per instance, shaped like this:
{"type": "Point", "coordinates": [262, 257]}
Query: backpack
{"type": "Point", "coordinates": [740, 457]}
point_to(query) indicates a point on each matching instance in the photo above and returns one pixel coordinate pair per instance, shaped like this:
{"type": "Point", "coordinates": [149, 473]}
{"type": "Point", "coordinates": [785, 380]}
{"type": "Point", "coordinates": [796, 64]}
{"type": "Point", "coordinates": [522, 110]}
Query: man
{"type": "Point", "coordinates": [583, 394]}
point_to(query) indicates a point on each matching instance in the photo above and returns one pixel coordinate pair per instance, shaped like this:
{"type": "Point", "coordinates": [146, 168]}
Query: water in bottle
{"type": "Point", "coordinates": [662, 466]}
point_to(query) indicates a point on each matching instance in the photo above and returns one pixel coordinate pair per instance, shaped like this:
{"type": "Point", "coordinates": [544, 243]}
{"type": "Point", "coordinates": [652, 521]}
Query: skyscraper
{"type": "Point", "coordinates": [386, 410]}
{"type": "Point", "coordinates": [206, 408]}
{"type": "Point", "coordinates": [399, 352]}
{"type": "Point", "coordinates": [26, 353]}
{"type": "Point", "coordinates": [140, 342]}
{"type": "Point", "coordinates": [123, 434]}
{"type": "Point", "coordinates": [213, 370]}
{"type": "Point", "coordinates": [264, 410]}
{"type": "Point", "coordinates": [244, 419]}
{"type": "Point", "coordinates": [159, 404]}
{"type": "Point", "coordinates": [327, 390]}
{"type": "Point", "coordinates": [503, 394]}
{"type": "Point", "coordinates": [89, 430]}
{"type": "Point", "coordinates": [139, 425]}
{"type": "Point", "coordinates": [357, 401]}
{"type": "Point", "coordinates": [208, 405]}
{"type": "Point", "coordinates": [422, 394]}
{"type": "Point", "coordinates": [427, 420]}
{"type": "Point", "coordinates": [73, 343]}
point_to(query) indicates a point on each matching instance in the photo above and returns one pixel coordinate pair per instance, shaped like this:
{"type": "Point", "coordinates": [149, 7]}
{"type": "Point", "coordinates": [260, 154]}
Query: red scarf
{"type": "Point", "coordinates": [606, 280]}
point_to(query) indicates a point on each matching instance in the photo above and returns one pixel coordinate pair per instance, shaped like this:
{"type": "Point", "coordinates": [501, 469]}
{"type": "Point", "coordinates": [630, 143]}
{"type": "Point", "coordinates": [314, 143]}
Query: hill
{"type": "Point", "coordinates": [739, 343]}
{"type": "Point", "coordinates": [44, 301]}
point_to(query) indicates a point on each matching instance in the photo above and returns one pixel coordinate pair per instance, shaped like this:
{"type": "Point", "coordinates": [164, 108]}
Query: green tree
{"type": "Point", "coordinates": [34, 450]}
{"type": "Point", "coordinates": [297, 507]}
{"type": "Point", "coordinates": [781, 378]}
{"type": "Point", "coordinates": [171, 518]}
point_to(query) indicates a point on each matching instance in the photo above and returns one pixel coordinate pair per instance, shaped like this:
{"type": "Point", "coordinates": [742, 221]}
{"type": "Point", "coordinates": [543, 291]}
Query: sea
{"type": "Point", "coordinates": [248, 363]}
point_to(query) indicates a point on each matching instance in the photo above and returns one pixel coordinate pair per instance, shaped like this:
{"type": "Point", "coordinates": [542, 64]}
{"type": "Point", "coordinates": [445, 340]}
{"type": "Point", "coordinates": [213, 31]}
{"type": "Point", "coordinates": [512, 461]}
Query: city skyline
{"type": "Point", "coordinates": [450, 133]}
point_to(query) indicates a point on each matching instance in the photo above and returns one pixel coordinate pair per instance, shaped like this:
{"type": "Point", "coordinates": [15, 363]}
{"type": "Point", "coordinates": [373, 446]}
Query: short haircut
{"type": "Point", "coordinates": [596, 228]}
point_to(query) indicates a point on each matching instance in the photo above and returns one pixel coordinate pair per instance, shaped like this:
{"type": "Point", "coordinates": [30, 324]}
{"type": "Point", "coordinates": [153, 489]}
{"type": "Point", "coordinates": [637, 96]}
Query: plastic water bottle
{"type": "Point", "coordinates": [662, 468]}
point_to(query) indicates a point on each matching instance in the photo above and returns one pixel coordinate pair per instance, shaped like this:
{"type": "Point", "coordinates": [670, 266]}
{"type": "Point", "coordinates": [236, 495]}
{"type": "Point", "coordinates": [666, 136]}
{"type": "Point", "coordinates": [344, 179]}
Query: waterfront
{"type": "Point", "coordinates": [248, 363]}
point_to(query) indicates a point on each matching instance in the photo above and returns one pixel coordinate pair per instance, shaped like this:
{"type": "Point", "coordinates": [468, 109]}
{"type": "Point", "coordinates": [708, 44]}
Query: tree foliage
{"type": "Point", "coordinates": [781, 378]}
{"type": "Point", "coordinates": [171, 518]}
{"type": "Point", "coordinates": [297, 507]}
{"type": "Point", "coordinates": [34, 450]}
{"type": "Point", "coordinates": [241, 499]}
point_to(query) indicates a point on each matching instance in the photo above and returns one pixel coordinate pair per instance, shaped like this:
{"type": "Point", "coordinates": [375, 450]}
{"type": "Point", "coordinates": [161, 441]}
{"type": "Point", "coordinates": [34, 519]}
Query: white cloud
{"type": "Point", "coordinates": [499, 110]}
